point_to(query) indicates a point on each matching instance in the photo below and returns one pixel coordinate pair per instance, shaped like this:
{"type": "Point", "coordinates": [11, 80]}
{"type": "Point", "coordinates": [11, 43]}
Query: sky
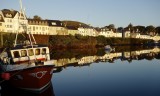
{"type": "Point", "coordinates": [97, 13]}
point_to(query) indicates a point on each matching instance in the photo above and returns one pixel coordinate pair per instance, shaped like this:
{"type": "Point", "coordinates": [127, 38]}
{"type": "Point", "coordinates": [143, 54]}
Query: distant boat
{"type": "Point", "coordinates": [27, 65]}
{"type": "Point", "coordinates": [108, 48]}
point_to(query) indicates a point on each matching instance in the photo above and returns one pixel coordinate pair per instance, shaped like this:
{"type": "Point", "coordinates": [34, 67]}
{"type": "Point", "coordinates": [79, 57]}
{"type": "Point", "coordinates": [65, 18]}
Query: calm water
{"type": "Point", "coordinates": [124, 72]}
{"type": "Point", "coordinates": [138, 78]}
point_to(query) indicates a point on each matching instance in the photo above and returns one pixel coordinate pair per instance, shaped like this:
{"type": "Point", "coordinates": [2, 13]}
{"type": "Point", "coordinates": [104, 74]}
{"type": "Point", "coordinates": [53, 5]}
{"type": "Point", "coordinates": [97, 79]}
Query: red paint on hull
{"type": "Point", "coordinates": [33, 78]}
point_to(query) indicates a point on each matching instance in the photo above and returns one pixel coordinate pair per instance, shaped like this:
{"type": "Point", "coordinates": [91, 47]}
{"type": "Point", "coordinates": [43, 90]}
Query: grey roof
{"type": "Point", "coordinates": [1, 18]}
{"type": "Point", "coordinates": [9, 13]}
{"type": "Point", "coordinates": [72, 27]}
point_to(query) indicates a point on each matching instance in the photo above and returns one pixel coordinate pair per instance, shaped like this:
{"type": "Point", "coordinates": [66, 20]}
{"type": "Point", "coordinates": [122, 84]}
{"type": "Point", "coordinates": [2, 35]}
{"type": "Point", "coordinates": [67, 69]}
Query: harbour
{"type": "Point", "coordinates": [45, 53]}
{"type": "Point", "coordinates": [124, 71]}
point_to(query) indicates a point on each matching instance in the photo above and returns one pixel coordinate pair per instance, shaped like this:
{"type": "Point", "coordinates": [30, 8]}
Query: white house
{"type": "Point", "coordinates": [145, 37]}
{"type": "Point", "coordinates": [72, 30]}
{"type": "Point", "coordinates": [56, 28]}
{"type": "Point", "coordinates": [109, 33]}
{"type": "Point", "coordinates": [38, 26]}
{"type": "Point", "coordinates": [87, 31]}
{"type": "Point", "coordinates": [106, 32]}
{"type": "Point", "coordinates": [14, 21]}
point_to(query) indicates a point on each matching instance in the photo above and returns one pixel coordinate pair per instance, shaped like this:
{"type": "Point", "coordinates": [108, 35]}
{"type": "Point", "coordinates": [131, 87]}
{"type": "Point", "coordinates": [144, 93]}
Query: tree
{"type": "Point", "coordinates": [112, 27]}
{"type": "Point", "coordinates": [36, 17]}
{"type": "Point", "coordinates": [120, 29]}
{"type": "Point", "coordinates": [150, 30]}
{"type": "Point", "coordinates": [141, 29]}
{"type": "Point", "coordinates": [157, 30]}
{"type": "Point", "coordinates": [130, 27]}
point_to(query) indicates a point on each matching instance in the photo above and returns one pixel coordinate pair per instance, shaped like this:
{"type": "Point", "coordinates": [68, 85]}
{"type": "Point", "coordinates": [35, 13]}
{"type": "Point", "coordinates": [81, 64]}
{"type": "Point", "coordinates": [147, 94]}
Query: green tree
{"type": "Point", "coordinates": [120, 29]}
{"type": "Point", "coordinates": [150, 30]}
{"type": "Point", "coordinates": [36, 17]}
{"type": "Point", "coordinates": [111, 27]}
{"type": "Point", "coordinates": [130, 27]}
{"type": "Point", "coordinates": [157, 30]}
{"type": "Point", "coordinates": [141, 29]}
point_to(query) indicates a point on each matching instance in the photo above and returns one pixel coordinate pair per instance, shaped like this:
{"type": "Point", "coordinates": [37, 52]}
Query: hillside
{"type": "Point", "coordinates": [75, 24]}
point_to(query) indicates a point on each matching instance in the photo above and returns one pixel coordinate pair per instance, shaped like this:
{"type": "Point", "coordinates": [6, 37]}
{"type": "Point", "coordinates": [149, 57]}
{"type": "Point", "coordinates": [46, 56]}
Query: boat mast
{"type": "Point", "coordinates": [29, 33]}
{"type": "Point", "coordinates": [24, 26]}
{"type": "Point", "coordinates": [19, 17]}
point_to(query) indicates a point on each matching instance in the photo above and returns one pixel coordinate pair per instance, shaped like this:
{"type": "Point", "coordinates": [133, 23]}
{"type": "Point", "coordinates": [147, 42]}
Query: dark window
{"type": "Point", "coordinates": [33, 28]}
{"type": "Point", "coordinates": [44, 51]}
{"type": "Point", "coordinates": [16, 54]}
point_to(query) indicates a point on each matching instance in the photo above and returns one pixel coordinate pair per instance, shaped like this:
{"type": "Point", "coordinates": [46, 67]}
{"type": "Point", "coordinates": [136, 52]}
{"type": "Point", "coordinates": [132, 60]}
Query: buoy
{"type": "Point", "coordinates": [5, 76]}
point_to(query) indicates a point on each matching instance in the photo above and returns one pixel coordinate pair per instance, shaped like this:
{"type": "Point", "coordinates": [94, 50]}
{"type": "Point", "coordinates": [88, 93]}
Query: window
{"type": "Point", "coordinates": [37, 51]}
{"type": "Point", "coordinates": [44, 51]}
{"type": "Point", "coordinates": [23, 53]}
{"type": "Point", "coordinates": [43, 29]}
{"type": "Point", "coordinates": [33, 28]}
{"type": "Point", "coordinates": [53, 23]}
{"type": "Point", "coordinates": [16, 54]}
{"type": "Point", "coordinates": [30, 51]}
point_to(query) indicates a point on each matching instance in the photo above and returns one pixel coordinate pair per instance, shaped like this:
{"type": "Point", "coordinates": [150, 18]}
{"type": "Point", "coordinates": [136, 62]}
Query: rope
{"type": "Point", "coordinates": [3, 51]}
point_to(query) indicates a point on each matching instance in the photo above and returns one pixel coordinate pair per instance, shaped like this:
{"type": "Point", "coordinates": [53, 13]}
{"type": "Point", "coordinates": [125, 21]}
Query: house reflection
{"type": "Point", "coordinates": [148, 54]}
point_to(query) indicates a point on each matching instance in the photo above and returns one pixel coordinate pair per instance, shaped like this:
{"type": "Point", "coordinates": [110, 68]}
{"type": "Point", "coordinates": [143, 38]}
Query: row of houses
{"type": "Point", "coordinates": [12, 21]}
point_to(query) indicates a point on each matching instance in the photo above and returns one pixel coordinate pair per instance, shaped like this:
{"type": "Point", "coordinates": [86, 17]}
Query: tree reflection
{"type": "Point", "coordinates": [86, 57]}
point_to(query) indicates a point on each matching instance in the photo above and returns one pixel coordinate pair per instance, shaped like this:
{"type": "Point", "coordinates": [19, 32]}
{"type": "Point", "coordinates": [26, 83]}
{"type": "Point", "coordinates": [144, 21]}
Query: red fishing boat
{"type": "Point", "coordinates": [26, 65]}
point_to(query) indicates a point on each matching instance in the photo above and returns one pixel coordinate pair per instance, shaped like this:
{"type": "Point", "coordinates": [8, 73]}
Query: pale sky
{"type": "Point", "coordinates": [97, 13]}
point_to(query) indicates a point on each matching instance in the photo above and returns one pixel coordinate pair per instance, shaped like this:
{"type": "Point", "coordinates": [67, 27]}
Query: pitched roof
{"type": "Point", "coordinates": [72, 27]}
{"type": "Point", "coordinates": [9, 13]}
{"type": "Point", "coordinates": [1, 18]}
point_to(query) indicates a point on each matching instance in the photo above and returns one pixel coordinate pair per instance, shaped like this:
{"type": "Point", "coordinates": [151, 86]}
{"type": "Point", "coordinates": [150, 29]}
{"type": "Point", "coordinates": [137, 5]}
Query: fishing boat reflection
{"type": "Point", "coordinates": [12, 91]}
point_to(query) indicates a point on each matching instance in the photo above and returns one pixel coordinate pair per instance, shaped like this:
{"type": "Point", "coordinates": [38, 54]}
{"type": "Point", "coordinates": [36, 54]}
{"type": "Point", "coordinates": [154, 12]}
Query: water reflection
{"type": "Point", "coordinates": [79, 58]}
{"type": "Point", "coordinates": [126, 71]}
{"type": "Point", "coordinates": [8, 90]}
{"type": "Point", "coordinates": [101, 55]}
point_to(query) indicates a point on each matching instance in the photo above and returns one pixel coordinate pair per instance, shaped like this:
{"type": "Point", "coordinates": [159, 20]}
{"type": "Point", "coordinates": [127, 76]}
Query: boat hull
{"type": "Point", "coordinates": [33, 79]}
